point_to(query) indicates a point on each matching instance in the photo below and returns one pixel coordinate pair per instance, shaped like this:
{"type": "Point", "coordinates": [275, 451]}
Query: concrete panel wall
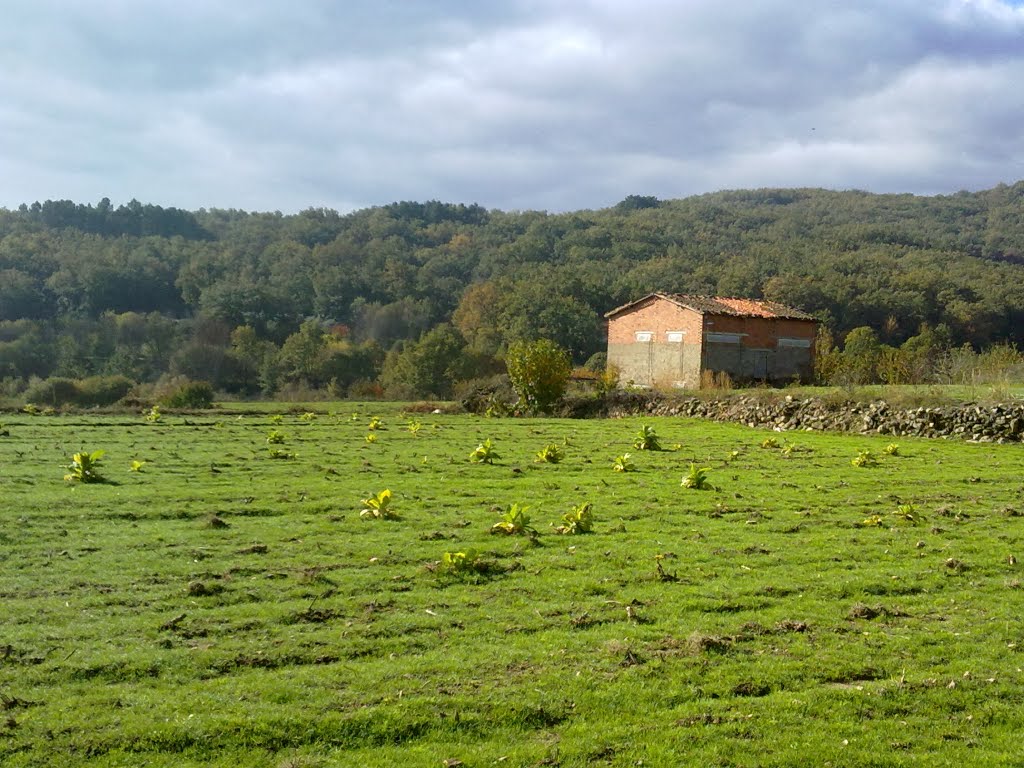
{"type": "Point", "coordinates": [739, 361]}
{"type": "Point", "coordinates": [656, 364]}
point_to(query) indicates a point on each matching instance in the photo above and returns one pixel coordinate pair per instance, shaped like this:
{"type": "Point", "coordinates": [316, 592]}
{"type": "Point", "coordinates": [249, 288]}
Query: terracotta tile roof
{"type": "Point", "coordinates": [717, 305]}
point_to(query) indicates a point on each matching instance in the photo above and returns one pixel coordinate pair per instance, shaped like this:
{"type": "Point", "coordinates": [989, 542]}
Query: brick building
{"type": "Point", "coordinates": [669, 340]}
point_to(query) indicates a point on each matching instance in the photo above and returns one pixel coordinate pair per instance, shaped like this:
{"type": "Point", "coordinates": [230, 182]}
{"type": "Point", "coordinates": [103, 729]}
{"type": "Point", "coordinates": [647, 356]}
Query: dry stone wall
{"type": "Point", "coordinates": [994, 423]}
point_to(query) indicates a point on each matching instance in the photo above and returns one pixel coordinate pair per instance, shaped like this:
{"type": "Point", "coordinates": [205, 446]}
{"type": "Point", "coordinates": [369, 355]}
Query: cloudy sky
{"type": "Point", "coordinates": [513, 104]}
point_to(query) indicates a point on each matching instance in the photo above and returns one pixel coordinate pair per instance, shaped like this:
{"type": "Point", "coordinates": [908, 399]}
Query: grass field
{"type": "Point", "coordinates": [223, 607]}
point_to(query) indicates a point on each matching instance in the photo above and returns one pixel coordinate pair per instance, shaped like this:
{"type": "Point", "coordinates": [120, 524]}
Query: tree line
{"type": "Point", "coordinates": [410, 299]}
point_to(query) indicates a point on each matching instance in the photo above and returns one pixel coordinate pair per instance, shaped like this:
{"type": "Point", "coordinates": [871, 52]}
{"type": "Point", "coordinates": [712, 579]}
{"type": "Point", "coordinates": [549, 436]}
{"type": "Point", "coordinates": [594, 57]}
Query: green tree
{"type": "Point", "coordinates": [299, 358]}
{"type": "Point", "coordinates": [428, 367]}
{"type": "Point", "coordinates": [539, 372]}
{"type": "Point", "coordinates": [861, 354]}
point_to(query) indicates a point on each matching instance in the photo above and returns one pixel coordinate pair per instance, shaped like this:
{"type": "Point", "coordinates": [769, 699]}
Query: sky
{"type": "Point", "coordinates": [554, 105]}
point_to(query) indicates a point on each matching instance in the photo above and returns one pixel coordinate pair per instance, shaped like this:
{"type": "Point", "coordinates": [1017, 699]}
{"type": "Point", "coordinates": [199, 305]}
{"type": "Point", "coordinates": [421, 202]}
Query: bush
{"type": "Point", "coordinates": [494, 393]}
{"type": "Point", "coordinates": [103, 390]}
{"type": "Point", "coordinates": [53, 391]}
{"type": "Point", "coordinates": [539, 372]}
{"type": "Point", "coordinates": [93, 391]}
{"type": "Point", "coordinates": [192, 394]}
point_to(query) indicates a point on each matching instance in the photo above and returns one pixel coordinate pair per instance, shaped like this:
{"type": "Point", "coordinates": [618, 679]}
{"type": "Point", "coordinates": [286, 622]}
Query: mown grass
{"type": "Point", "coordinates": [220, 607]}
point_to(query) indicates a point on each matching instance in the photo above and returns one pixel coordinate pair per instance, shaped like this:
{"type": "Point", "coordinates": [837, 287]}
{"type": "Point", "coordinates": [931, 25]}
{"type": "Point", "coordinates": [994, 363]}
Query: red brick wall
{"type": "Point", "coordinates": [761, 332]}
{"type": "Point", "coordinates": [658, 316]}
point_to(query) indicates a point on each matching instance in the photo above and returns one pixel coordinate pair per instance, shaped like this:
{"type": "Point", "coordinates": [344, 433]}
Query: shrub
{"type": "Point", "coordinates": [103, 390]}
{"type": "Point", "coordinates": [52, 391]}
{"type": "Point", "coordinates": [539, 372]}
{"type": "Point", "coordinates": [192, 394]}
{"type": "Point", "coordinates": [493, 395]}
{"type": "Point", "coordinates": [92, 391]}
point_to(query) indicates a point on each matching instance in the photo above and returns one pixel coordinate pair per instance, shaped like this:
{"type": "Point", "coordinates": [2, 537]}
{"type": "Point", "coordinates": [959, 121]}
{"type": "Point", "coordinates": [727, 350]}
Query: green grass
{"type": "Point", "coordinates": [220, 607]}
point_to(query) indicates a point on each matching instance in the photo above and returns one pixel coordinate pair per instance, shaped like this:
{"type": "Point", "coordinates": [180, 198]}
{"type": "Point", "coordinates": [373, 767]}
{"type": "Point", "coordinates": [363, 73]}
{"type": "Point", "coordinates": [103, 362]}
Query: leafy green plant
{"type": "Point", "coordinates": [281, 454]}
{"type": "Point", "coordinates": [462, 563]}
{"type": "Point", "coordinates": [484, 453]}
{"type": "Point", "coordinates": [864, 459]}
{"type": "Point", "coordinates": [579, 519]}
{"type": "Point", "coordinates": [907, 512]}
{"type": "Point", "coordinates": [136, 465]}
{"type": "Point", "coordinates": [770, 442]}
{"type": "Point", "coordinates": [515, 522]}
{"type": "Point", "coordinates": [277, 418]}
{"type": "Point", "coordinates": [871, 521]}
{"type": "Point", "coordinates": [275, 437]}
{"type": "Point", "coordinates": [308, 416]}
{"type": "Point", "coordinates": [414, 427]}
{"type": "Point", "coordinates": [646, 439]}
{"type": "Point", "coordinates": [550, 453]}
{"type": "Point", "coordinates": [696, 478]}
{"type": "Point", "coordinates": [624, 463]}
{"type": "Point", "coordinates": [378, 506]}
{"type": "Point", "coordinates": [376, 422]}
{"type": "Point", "coordinates": [892, 449]}
{"type": "Point", "coordinates": [84, 467]}
{"type": "Point", "coordinates": [371, 438]}
{"type": "Point", "coordinates": [30, 409]}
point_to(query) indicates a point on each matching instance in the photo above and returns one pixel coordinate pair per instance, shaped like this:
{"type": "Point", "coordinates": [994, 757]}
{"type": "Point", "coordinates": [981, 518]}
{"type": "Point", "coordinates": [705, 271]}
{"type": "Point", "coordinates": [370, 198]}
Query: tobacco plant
{"type": "Point", "coordinates": [696, 478]}
{"type": "Point", "coordinates": [154, 415]}
{"type": "Point", "coordinates": [579, 519]}
{"type": "Point", "coordinates": [462, 563]}
{"type": "Point", "coordinates": [275, 437]}
{"type": "Point", "coordinates": [550, 453]}
{"type": "Point", "coordinates": [515, 522]}
{"type": "Point", "coordinates": [646, 439]}
{"type": "Point", "coordinates": [378, 506]}
{"type": "Point", "coordinates": [623, 463]}
{"type": "Point", "coordinates": [83, 467]}
{"type": "Point", "coordinates": [864, 459]}
{"type": "Point", "coordinates": [892, 449]}
{"type": "Point", "coordinates": [484, 453]}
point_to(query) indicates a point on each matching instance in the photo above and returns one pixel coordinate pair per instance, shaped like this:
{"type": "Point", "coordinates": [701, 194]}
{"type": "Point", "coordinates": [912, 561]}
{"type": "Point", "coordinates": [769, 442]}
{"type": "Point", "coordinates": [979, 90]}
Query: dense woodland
{"type": "Point", "coordinates": [410, 299]}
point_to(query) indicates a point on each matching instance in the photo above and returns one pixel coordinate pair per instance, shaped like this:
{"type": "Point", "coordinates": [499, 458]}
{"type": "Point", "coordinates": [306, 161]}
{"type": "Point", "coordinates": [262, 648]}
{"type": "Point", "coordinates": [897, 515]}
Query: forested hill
{"type": "Point", "coordinates": [96, 289]}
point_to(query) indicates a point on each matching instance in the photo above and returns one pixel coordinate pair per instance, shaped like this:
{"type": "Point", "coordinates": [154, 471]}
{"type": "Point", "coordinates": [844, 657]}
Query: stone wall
{"type": "Point", "coordinates": [994, 423]}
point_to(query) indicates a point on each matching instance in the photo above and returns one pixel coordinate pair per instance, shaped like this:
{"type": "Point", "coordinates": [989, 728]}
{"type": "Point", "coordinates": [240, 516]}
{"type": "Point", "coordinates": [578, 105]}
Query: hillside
{"type": "Point", "coordinates": [141, 290]}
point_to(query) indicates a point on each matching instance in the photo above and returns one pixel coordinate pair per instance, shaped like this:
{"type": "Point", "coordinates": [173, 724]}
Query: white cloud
{"type": "Point", "coordinates": [513, 104]}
